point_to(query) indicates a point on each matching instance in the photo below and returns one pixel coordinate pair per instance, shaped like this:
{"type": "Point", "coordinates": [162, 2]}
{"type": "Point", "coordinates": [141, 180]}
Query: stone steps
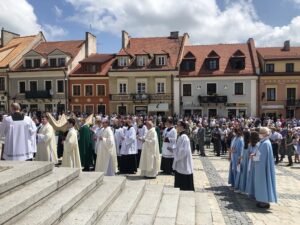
{"type": "Point", "coordinates": [61, 202]}
{"type": "Point", "coordinates": [147, 208]}
{"type": "Point", "coordinates": [67, 196]}
{"type": "Point", "coordinates": [16, 202]}
{"type": "Point", "coordinates": [186, 214]}
{"type": "Point", "coordinates": [20, 173]}
{"type": "Point", "coordinates": [94, 205]}
{"type": "Point", "coordinates": [167, 211]}
{"type": "Point", "coordinates": [122, 208]}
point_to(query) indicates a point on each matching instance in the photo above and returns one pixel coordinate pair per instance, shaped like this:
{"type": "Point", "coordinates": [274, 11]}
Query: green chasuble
{"type": "Point", "coordinates": [159, 139]}
{"type": "Point", "coordinates": [85, 146]}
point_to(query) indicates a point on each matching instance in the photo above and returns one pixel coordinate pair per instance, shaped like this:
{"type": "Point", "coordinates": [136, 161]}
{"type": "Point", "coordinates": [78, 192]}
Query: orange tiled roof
{"type": "Point", "coordinates": [152, 46]}
{"type": "Point", "coordinates": [224, 52]}
{"type": "Point", "coordinates": [279, 53]}
{"type": "Point", "coordinates": [70, 47]}
{"type": "Point", "coordinates": [13, 49]}
{"type": "Point", "coordinates": [104, 60]}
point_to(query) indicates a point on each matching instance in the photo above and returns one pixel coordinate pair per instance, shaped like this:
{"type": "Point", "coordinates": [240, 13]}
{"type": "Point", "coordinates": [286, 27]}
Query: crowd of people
{"type": "Point", "coordinates": [158, 145]}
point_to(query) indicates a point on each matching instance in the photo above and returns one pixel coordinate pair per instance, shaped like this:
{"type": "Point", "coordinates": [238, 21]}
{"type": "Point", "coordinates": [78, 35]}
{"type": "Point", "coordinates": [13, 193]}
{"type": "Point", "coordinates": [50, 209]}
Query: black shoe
{"type": "Point", "coordinates": [263, 205]}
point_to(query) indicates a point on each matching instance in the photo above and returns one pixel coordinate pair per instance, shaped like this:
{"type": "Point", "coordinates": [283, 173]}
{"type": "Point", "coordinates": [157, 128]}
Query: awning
{"type": "Point", "coordinates": [159, 107]}
{"type": "Point", "coordinates": [272, 106]}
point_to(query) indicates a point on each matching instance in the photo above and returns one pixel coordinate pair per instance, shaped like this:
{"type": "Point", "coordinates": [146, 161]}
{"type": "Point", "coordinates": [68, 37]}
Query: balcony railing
{"type": "Point", "coordinates": [140, 97]}
{"type": "Point", "coordinates": [212, 99]}
{"type": "Point", "coordinates": [293, 103]}
{"type": "Point", "coordinates": [37, 94]}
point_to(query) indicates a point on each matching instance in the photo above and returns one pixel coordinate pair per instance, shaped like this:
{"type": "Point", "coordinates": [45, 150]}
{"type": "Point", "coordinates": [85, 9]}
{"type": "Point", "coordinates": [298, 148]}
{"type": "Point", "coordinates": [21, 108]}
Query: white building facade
{"type": "Point", "coordinates": [217, 81]}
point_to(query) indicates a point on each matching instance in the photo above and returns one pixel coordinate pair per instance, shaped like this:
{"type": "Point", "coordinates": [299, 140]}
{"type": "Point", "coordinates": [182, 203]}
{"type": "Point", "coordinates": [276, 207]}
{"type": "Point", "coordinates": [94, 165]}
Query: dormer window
{"type": "Point", "coordinates": [28, 63]}
{"type": "Point", "coordinates": [237, 63]}
{"type": "Point", "coordinates": [187, 65]}
{"type": "Point", "coordinates": [212, 61]}
{"type": "Point", "coordinates": [161, 60]}
{"type": "Point", "coordinates": [141, 61]}
{"type": "Point", "coordinates": [212, 64]}
{"type": "Point", "coordinates": [123, 61]}
{"type": "Point", "coordinates": [52, 62]}
{"type": "Point", "coordinates": [36, 63]}
{"type": "Point", "coordinates": [237, 60]}
{"type": "Point", "coordinates": [61, 62]}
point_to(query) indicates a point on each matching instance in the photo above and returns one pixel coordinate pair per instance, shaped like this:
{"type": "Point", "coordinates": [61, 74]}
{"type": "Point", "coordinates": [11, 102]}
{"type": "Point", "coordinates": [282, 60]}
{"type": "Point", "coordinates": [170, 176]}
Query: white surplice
{"type": "Point", "coordinates": [19, 136]}
{"type": "Point", "coordinates": [171, 134]}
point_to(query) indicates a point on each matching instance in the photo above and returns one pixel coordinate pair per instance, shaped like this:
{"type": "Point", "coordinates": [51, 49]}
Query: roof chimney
{"type": "Point", "coordinates": [90, 44]}
{"type": "Point", "coordinates": [286, 46]}
{"type": "Point", "coordinates": [125, 39]}
{"type": "Point", "coordinates": [174, 34]}
{"type": "Point", "coordinates": [6, 36]}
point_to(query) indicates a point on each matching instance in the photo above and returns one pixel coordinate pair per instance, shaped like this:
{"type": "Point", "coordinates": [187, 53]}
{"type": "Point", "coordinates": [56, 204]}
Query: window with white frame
{"type": "Point", "coordinates": [271, 94]}
{"type": "Point", "coordinates": [22, 87]}
{"type": "Point", "coordinates": [141, 88]}
{"type": "Point", "coordinates": [161, 60]}
{"type": "Point", "coordinates": [52, 62]}
{"type": "Point", "coordinates": [160, 87]}
{"type": "Point", "coordinates": [89, 109]}
{"type": "Point", "coordinates": [122, 88]}
{"type": "Point", "coordinates": [48, 85]}
{"type": "Point", "coordinates": [28, 63]}
{"type": "Point", "coordinates": [61, 62]}
{"type": "Point", "coordinates": [60, 86]}
{"type": "Point", "coordinates": [88, 90]}
{"type": "Point", "coordinates": [76, 89]}
{"type": "Point", "coordinates": [101, 90]}
{"type": "Point", "coordinates": [36, 63]}
{"type": "Point", "coordinates": [123, 61]}
{"type": "Point", "coordinates": [33, 85]}
{"type": "Point", "coordinates": [238, 88]}
{"type": "Point", "coordinates": [141, 61]}
{"type": "Point", "coordinates": [76, 108]}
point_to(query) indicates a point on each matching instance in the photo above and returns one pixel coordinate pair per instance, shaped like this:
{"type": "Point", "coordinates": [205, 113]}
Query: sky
{"type": "Point", "coordinates": [269, 22]}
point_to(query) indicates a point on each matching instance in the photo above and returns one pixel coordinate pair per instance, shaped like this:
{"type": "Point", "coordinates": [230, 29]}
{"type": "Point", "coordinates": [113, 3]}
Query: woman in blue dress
{"type": "Point", "coordinates": [235, 156]}
{"type": "Point", "coordinates": [254, 141]}
{"type": "Point", "coordinates": [241, 186]}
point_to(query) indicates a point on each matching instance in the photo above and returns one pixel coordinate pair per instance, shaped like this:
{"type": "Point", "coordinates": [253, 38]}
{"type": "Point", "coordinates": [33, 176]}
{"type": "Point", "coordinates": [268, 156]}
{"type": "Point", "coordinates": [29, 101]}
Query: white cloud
{"type": "Point", "coordinates": [202, 19]}
{"type": "Point", "coordinates": [19, 17]}
{"type": "Point", "coordinates": [53, 31]}
{"type": "Point", "coordinates": [58, 11]}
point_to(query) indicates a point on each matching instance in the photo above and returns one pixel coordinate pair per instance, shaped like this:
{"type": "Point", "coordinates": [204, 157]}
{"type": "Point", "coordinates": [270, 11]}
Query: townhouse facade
{"type": "Point", "coordinates": [40, 80]}
{"type": "Point", "coordinates": [279, 82]}
{"type": "Point", "coordinates": [89, 85]}
{"type": "Point", "coordinates": [12, 48]}
{"type": "Point", "coordinates": [218, 80]}
{"type": "Point", "coordinates": [142, 75]}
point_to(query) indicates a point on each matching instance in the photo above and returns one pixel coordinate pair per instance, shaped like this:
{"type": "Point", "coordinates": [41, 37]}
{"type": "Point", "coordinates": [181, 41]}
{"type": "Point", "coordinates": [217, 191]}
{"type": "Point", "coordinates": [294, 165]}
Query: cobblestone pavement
{"type": "Point", "coordinates": [228, 207]}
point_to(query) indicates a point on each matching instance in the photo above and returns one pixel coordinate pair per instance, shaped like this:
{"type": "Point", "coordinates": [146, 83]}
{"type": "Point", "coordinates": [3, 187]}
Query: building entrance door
{"type": "Point", "coordinates": [212, 113]}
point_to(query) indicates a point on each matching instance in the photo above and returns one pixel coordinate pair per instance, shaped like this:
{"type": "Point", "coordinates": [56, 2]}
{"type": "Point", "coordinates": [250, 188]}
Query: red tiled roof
{"type": "Point", "coordinates": [104, 60]}
{"type": "Point", "coordinates": [225, 52]}
{"type": "Point", "coordinates": [70, 47]}
{"type": "Point", "coordinates": [279, 53]}
{"type": "Point", "coordinates": [97, 58]}
{"type": "Point", "coordinates": [153, 46]}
